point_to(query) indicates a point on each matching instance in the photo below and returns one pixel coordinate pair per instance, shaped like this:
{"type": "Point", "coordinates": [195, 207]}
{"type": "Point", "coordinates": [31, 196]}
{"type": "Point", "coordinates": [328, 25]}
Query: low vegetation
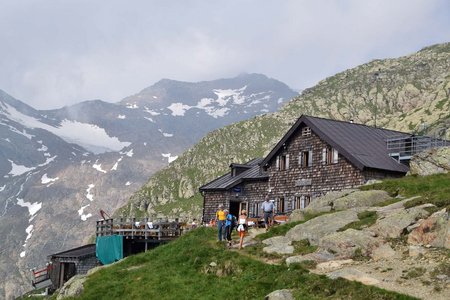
{"type": "Point", "coordinates": [197, 267]}
{"type": "Point", "coordinates": [366, 219]}
{"type": "Point", "coordinates": [433, 189]}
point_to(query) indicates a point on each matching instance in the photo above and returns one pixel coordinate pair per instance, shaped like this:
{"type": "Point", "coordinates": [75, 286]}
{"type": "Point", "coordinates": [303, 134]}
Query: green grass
{"type": "Point", "coordinates": [303, 247]}
{"type": "Point", "coordinates": [433, 189]}
{"type": "Point", "coordinates": [366, 219]}
{"type": "Point", "coordinates": [182, 269]}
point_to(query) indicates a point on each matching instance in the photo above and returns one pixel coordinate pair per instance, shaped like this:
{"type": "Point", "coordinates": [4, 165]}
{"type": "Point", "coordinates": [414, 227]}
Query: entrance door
{"type": "Point", "coordinates": [234, 208]}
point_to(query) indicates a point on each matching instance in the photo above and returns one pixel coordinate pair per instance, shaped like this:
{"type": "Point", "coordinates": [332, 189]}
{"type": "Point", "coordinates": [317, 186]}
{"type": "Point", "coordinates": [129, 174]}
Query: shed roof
{"type": "Point", "coordinates": [227, 181]}
{"type": "Point", "coordinates": [362, 145]}
{"type": "Point", "coordinates": [79, 252]}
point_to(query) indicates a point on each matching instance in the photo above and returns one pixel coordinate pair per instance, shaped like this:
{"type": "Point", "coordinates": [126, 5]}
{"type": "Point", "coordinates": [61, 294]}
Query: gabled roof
{"type": "Point", "coordinates": [363, 146]}
{"type": "Point", "coordinates": [227, 181]}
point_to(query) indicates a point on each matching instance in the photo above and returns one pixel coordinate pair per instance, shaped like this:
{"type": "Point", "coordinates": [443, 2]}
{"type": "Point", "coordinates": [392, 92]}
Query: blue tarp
{"type": "Point", "coordinates": [109, 248]}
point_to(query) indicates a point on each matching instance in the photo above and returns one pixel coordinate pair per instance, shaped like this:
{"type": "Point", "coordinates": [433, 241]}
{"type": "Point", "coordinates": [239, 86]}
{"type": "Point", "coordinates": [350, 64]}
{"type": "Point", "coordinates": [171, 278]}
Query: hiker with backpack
{"type": "Point", "coordinates": [230, 223]}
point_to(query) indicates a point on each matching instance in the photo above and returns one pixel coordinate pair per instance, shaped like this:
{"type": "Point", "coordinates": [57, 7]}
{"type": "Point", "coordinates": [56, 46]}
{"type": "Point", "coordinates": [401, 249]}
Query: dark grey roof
{"type": "Point", "coordinates": [363, 146]}
{"type": "Point", "coordinates": [86, 250]}
{"type": "Point", "coordinates": [227, 181]}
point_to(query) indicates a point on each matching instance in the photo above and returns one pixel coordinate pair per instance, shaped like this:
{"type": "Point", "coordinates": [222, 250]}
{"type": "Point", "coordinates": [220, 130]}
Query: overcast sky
{"type": "Point", "coordinates": [60, 52]}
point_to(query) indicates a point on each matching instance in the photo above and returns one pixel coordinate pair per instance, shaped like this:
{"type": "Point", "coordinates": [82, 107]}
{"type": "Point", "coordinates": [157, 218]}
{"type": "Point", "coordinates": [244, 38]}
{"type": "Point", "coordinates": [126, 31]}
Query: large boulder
{"type": "Point", "coordinates": [316, 228]}
{"type": "Point", "coordinates": [434, 231]}
{"type": "Point", "coordinates": [72, 288]}
{"type": "Point", "coordinates": [324, 203]}
{"type": "Point", "coordinates": [347, 199]}
{"type": "Point", "coordinates": [345, 243]}
{"type": "Point", "coordinates": [394, 223]}
{"type": "Point", "coordinates": [385, 251]}
{"type": "Point", "coordinates": [432, 161]}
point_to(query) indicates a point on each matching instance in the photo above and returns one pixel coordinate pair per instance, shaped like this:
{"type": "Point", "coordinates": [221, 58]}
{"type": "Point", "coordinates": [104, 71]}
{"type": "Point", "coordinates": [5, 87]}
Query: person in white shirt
{"type": "Point", "coordinates": [267, 209]}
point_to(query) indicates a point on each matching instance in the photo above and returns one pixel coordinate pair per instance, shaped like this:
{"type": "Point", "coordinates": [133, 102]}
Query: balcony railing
{"type": "Point", "coordinates": [402, 148]}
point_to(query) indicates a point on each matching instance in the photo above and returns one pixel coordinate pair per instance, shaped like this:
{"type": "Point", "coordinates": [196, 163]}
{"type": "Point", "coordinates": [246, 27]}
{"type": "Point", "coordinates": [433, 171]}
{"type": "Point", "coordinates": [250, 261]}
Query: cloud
{"type": "Point", "coordinates": [55, 53]}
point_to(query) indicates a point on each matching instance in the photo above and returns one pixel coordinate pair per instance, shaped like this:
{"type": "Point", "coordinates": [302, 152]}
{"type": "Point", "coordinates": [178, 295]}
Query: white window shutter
{"type": "Point", "coordinates": [300, 159]}
{"type": "Point", "coordinates": [287, 161]}
{"type": "Point", "coordinates": [278, 163]}
{"type": "Point", "coordinates": [335, 156]}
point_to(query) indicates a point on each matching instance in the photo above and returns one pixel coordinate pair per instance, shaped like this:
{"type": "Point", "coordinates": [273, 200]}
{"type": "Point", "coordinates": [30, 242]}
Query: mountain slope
{"type": "Point", "coordinates": [410, 93]}
{"type": "Point", "coordinates": [59, 167]}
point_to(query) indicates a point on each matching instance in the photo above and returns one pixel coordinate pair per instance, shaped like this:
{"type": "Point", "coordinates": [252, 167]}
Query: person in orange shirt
{"type": "Point", "coordinates": [220, 220]}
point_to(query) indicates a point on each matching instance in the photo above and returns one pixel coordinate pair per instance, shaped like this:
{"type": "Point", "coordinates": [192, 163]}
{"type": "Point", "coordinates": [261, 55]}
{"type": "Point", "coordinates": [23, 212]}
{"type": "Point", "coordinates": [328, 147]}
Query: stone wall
{"type": "Point", "coordinates": [250, 192]}
{"type": "Point", "coordinates": [312, 181]}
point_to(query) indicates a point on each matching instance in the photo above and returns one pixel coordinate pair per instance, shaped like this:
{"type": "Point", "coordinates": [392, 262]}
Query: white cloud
{"type": "Point", "coordinates": [54, 59]}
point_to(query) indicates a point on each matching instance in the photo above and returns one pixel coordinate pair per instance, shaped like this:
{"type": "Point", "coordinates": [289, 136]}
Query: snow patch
{"type": "Point", "coordinates": [88, 190]}
{"type": "Point", "coordinates": [81, 213]}
{"type": "Point", "coordinates": [178, 109]}
{"type": "Point", "coordinates": [33, 208]}
{"type": "Point", "coordinates": [90, 136]}
{"type": "Point", "coordinates": [151, 112]}
{"type": "Point", "coordinates": [45, 179]}
{"type": "Point", "coordinates": [121, 117]}
{"type": "Point", "coordinates": [114, 168]}
{"type": "Point", "coordinates": [169, 157]}
{"type": "Point", "coordinates": [150, 119]}
{"type": "Point", "coordinates": [17, 170]}
{"type": "Point", "coordinates": [98, 167]}
{"type": "Point", "coordinates": [29, 232]}
{"type": "Point", "coordinates": [129, 153]}
{"type": "Point", "coordinates": [22, 254]}
{"type": "Point", "coordinates": [128, 183]}
{"type": "Point", "coordinates": [165, 133]}
{"type": "Point", "coordinates": [132, 105]}
{"type": "Point", "coordinates": [43, 148]}
{"type": "Point", "coordinates": [2, 188]}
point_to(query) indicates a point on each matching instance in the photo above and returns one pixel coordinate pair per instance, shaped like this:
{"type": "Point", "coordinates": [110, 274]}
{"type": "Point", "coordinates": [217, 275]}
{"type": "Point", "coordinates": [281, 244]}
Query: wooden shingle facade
{"type": "Point", "coordinates": [314, 157]}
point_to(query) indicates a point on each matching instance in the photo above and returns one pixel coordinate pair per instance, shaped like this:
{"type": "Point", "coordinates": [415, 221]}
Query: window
{"type": "Point", "coordinates": [280, 205]}
{"type": "Point", "coordinates": [305, 159]}
{"type": "Point", "coordinates": [306, 131]}
{"type": "Point", "coordinates": [329, 156]}
{"type": "Point", "coordinates": [304, 201]}
{"type": "Point", "coordinates": [283, 162]}
{"type": "Point", "coordinates": [242, 206]}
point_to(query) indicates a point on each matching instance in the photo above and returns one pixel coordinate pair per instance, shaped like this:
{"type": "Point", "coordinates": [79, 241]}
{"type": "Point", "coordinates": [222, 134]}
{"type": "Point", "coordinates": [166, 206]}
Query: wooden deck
{"type": "Point", "coordinates": [144, 229]}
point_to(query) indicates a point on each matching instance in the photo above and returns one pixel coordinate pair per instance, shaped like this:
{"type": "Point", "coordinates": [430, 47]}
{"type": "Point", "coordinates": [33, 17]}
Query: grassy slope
{"type": "Point", "coordinates": [181, 270]}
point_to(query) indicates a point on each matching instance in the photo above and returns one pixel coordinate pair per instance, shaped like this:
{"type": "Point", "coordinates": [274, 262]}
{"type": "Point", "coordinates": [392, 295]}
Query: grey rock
{"type": "Point", "coordinates": [415, 251]}
{"type": "Point", "coordinates": [344, 244]}
{"type": "Point", "coordinates": [279, 249]}
{"type": "Point", "coordinates": [297, 215]}
{"type": "Point", "coordinates": [320, 256]}
{"type": "Point", "coordinates": [385, 251]}
{"type": "Point", "coordinates": [323, 203]}
{"type": "Point", "coordinates": [277, 240]}
{"type": "Point", "coordinates": [72, 288]}
{"type": "Point", "coordinates": [432, 161]}
{"type": "Point", "coordinates": [361, 199]}
{"type": "Point", "coordinates": [355, 275]}
{"type": "Point", "coordinates": [333, 265]}
{"type": "Point", "coordinates": [280, 295]}
{"type": "Point", "coordinates": [395, 222]}
{"type": "Point", "coordinates": [316, 228]}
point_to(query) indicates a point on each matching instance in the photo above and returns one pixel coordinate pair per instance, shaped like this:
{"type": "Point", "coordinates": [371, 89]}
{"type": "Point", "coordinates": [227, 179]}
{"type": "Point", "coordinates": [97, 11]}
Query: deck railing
{"type": "Point", "coordinates": [402, 148]}
{"type": "Point", "coordinates": [139, 228]}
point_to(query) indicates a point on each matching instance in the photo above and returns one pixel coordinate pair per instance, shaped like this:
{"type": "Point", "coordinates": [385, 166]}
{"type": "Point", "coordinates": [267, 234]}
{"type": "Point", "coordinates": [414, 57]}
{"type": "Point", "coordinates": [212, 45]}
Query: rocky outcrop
{"type": "Point", "coordinates": [344, 244]}
{"type": "Point", "coordinates": [317, 228]}
{"type": "Point", "coordinates": [434, 231]}
{"type": "Point", "coordinates": [432, 161]}
{"type": "Point", "coordinates": [347, 199]}
{"type": "Point", "coordinates": [278, 245]}
{"type": "Point", "coordinates": [395, 222]}
{"type": "Point", "coordinates": [385, 251]}
{"type": "Point", "coordinates": [72, 288]}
